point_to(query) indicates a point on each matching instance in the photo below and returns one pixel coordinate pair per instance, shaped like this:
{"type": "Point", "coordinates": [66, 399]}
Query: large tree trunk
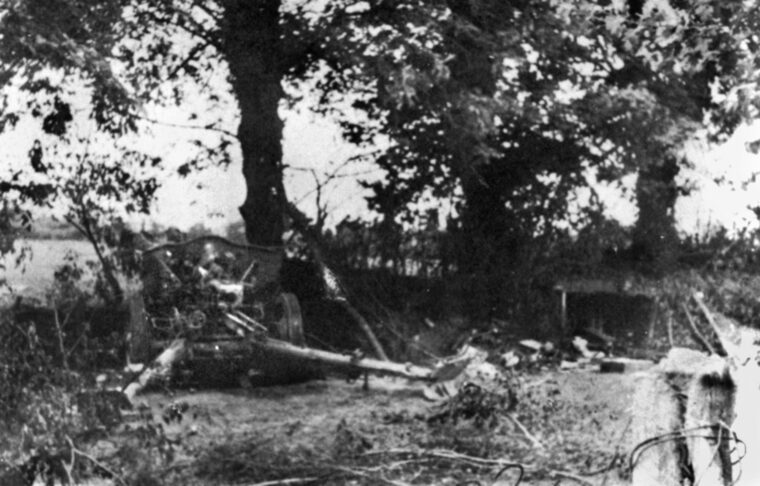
{"type": "Point", "coordinates": [655, 240]}
{"type": "Point", "coordinates": [251, 41]}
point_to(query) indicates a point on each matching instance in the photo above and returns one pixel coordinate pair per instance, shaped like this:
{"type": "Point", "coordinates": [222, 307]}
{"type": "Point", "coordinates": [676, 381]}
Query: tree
{"type": "Point", "coordinates": [160, 46]}
{"type": "Point", "coordinates": [164, 52]}
{"type": "Point", "coordinates": [252, 48]}
{"type": "Point", "coordinates": [474, 98]}
{"type": "Point", "coordinates": [687, 57]}
{"type": "Point", "coordinates": [264, 45]}
{"type": "Point", "coordinates": [536, 94]}
{"type": "Point", "coordinates": [469, 92]}
{"type": "Point", "coordinates": [94, 191]}
{"type": "Point", "coordinates": [90, 188]}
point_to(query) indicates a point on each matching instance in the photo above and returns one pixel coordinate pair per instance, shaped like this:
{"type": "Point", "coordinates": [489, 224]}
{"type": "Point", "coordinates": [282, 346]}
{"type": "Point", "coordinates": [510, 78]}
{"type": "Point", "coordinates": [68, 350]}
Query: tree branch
{"type": "Point", "coordinates": [215, 16]}
{"type": "Point", "coordinates": [695, 332]}
{"type": "Point", "coordinates": [108, 270]}
{"type": "Point", "coordinates": [188, 126]}
{"type": "Point", "coordinates": [198, 48]}
{"type": "Point", "coordinates": [200, 30]}
{"type": "Point", "coordinates": [314, 240]}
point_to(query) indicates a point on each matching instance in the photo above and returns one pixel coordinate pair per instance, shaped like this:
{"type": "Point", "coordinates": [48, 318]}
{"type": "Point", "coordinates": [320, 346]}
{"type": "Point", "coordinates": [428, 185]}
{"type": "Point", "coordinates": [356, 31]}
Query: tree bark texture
{"type": "Point", "coordinates": [655, 240]}
{"type": "Point", "coordinates": [252, 46]}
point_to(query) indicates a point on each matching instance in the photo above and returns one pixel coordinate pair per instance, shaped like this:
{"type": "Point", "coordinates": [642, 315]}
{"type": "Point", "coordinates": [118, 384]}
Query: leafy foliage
{"type": "Point", "coordinates": [93, 190]}
{"type": "Point", "coordinates": [504, 109]}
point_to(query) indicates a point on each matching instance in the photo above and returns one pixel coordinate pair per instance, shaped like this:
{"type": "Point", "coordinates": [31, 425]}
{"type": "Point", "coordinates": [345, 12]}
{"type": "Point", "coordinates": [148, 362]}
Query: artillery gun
{"type": "Point", "coordinates": [212, 300]}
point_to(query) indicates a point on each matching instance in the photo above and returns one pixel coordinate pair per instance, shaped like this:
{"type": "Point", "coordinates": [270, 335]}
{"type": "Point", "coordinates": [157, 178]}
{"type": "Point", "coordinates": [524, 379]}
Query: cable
{"type": "Point", "coordinates": [514, 465]}
{"type": "Point", "coordinates": [683, 434]}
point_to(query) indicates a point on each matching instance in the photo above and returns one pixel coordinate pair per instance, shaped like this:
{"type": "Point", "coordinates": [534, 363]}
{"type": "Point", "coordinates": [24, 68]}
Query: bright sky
{"type": "Point", "coordinates": [313, 150]}
{"type": "Point", "coordinates": [723, 188]}
{"type": "Point", "coordinates": [311, 142]}
{"type": "Point", "coordinates": [726, 203]}
{"type": "Point", "coordinates": [308, 143]}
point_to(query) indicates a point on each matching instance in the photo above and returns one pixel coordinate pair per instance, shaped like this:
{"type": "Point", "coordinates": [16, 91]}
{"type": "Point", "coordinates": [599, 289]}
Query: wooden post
{"type": "Point", "coordinates": [655, 412]}
{"type": "Point", "coordinates": [721, 396]}
{"type": "Point", "coordinates": [709, 410]}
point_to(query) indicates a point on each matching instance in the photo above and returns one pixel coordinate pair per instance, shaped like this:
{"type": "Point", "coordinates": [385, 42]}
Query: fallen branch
{"type": "Point", "coordinates": [159, 368]}
{"type": "Point", "coordinates": [533, 439]}
{"type": "Point", "coordinates": [728, 335]}
{"type": "Point", "coordinates": [362, 474]}
{"type": "Point", "coordinates": [482, 462]}
{"type": "Point", "coordinates": [287, 482]}
{"type": "Point", "coordinates": [77, 452]}
{"type": "Point", "coordinates": [567, 475]}
{"type": "Point", "coordinates": [695, 332]}
{"type": "Point", "coordinates": [59, 333]}
{"type": "Point", "coordinates": [364, 325]}
{"type": "Point", "coordinates": [314, 241]}
{"type": "Point", "coordinates": [446, 454]}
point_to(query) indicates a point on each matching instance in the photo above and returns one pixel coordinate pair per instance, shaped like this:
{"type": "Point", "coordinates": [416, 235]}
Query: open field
{"type": "Point", "coordinates": [34, 275]}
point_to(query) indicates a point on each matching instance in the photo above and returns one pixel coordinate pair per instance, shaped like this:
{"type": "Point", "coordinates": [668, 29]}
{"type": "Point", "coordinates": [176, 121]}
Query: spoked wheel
{"type": "Point", "coordinates": [290, 324]}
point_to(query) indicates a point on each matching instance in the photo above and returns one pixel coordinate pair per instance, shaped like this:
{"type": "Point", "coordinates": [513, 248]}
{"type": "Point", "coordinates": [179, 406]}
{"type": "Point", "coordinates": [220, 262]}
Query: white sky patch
{"type": "Point", "coordinates": [310, 143]}
{"type": "Point", "coordinates": [724, 186]}
{"type": "Point", "coordinates": [616, 198]}
{"type": "Point", "coordinates": [313, 148]}
{"type": "Point", "coordinates": [568, 92]}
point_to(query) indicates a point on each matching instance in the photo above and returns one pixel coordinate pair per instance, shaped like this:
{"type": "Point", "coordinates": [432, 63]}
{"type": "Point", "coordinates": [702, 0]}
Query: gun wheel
{"type": "Point", "coordinates": [290, 325]}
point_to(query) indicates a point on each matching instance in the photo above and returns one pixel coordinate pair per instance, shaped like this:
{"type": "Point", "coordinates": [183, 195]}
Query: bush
{"type": "Point", "coordinates": [37, 413]}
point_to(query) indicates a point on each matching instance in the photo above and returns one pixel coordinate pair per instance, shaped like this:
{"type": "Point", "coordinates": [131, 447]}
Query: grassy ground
{"type": "Point", "coordinates": [339, 434]}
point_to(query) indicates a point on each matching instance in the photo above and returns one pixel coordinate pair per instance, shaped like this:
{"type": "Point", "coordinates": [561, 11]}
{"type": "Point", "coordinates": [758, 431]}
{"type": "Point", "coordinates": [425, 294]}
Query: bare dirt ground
{"type": "Point", "coordinates": [335, 432]}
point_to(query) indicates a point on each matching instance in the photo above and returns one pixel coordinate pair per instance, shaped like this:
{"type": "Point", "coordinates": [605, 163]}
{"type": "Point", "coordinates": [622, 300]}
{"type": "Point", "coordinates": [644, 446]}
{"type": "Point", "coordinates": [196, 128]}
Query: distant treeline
{"type": "Point", "coordinates": [48, 228]}
{"type": "Point", "coordinates": [52, 229]}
